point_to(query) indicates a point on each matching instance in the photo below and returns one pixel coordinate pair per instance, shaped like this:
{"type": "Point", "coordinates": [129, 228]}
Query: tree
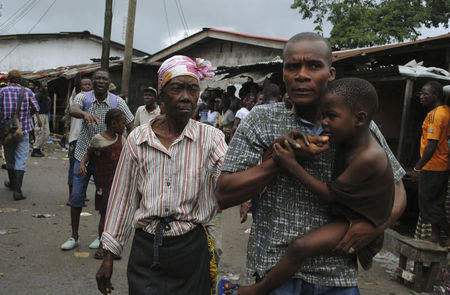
{"type": "Point", "coordinates": [359, 23]}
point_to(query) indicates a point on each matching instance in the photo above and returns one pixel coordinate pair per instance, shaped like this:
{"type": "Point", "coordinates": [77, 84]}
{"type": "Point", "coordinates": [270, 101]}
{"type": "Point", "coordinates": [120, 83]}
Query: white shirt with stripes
{"type": "Point", "coordinates": [152, 181]}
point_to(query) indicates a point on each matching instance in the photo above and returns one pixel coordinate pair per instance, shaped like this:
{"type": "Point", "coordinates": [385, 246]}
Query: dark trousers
{"type": "Point", "coordinates": [184, 265]}
{"type": "Point", "coordinates": [432, 195]}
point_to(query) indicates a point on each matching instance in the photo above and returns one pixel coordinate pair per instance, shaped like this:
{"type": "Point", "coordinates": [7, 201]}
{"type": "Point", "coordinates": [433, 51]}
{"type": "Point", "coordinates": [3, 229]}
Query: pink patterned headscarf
{"type": "Point", "coordinates": [180, 65]}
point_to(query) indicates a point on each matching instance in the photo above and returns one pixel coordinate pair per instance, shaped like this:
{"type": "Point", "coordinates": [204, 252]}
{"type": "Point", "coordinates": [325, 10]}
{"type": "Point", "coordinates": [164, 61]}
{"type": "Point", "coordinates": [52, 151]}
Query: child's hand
{"type": "Point", "coordinates": [308, 146]}
{"type": "Point", "coordinates": [83, 169]}
{"type": "Point", "coordinates": [283, 155]}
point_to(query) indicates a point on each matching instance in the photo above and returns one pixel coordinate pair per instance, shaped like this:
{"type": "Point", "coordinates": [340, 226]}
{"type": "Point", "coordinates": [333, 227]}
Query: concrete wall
{"type": "Point", "coordinates": [34, 55]}
{"type": "Point", "coordinates": [226, 53]}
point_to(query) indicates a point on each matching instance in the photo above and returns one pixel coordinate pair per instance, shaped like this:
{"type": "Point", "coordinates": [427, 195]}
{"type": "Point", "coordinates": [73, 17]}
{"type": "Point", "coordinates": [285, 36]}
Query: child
{"type": "Point", "coordinates": [364, 188]}
{"type": "Point", "coordinates": [104, 151]}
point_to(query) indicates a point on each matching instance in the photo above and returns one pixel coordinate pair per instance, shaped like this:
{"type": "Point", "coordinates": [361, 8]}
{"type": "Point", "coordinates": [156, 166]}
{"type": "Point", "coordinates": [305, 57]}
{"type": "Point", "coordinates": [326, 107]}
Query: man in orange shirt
{"type": "Point", "coordinates": [433, 161]}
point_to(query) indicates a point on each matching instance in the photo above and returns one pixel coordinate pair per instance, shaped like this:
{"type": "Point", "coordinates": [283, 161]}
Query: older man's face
{"type": "Point", "coordinates": [182, 94]}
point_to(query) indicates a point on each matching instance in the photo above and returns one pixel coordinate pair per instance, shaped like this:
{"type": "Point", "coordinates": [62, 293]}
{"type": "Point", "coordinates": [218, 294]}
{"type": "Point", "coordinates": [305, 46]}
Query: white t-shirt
{"type": "Point", "coordinates": [242, 113]}
{"type": "Point", "coordinates": [212, 117]}
{"type": "Point", "coordinates": [75, 124]}
{"type": "Point", "coordinates": [143, 116]}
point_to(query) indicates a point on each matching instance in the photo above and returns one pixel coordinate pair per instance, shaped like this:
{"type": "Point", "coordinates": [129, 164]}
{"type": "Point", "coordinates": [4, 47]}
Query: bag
{"type": "Point", "coordinates": [11, 128]}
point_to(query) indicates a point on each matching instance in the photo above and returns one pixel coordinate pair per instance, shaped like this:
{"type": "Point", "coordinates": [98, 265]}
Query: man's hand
{"type": "Point", "coordinates": [284, 155]}
{"type": "Point", "coordinates": [359, 234]}
{"type": "Point", "coordinates": [307, 146]}
{"type": "Point", "coordinates": [90, 118]}
{"type": "Point", "coordinates": [244, 209]}
{"type": "Point", "coordinates": [104, 274]}
{"type": "Point", "coordinates": [83, 169]}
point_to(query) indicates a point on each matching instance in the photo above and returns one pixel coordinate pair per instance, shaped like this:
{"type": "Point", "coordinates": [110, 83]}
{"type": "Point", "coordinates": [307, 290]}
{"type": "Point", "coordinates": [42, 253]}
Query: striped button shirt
{"type": "Point", "coordinates": [9, 99]}
{"type": "Point", "coordinates": [152, 181]}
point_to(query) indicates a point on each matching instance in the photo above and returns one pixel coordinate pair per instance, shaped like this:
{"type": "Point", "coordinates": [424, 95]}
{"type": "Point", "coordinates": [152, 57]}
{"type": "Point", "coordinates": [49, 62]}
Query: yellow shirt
{"type": "Point", "coordinates": [436, 127]}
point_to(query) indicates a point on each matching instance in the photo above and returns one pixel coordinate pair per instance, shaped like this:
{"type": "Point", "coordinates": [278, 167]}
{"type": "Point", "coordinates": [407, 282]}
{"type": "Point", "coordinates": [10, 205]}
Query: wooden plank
{"type": "Point", "coordinates": [405, 115]}
{"type": "Point", "coordinates": [433, 273]}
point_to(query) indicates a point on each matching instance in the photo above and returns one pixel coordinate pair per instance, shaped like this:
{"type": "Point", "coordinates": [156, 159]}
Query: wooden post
{"type": "Point", "coordinates": [54, 112]}
{"type": "Point", "coordinates": [107, 34]}
{"type": "Point", "coordinates": [405, 116]}
{"type": "Point", "coordinates": [127, 61]}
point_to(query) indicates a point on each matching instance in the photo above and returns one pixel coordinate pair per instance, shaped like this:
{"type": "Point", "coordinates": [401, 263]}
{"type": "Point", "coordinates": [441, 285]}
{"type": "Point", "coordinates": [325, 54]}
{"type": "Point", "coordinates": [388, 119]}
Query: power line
{"type": "Point", "coordinates": [19, 17]}
{"type": "Point", "coordinates": [183, 16]}
{"type": "Point", "coordinates": [167, 22]}
{"type": "Point", "coordinates": [30, 30]}
{"type": "Point", "coordinates": [17, 12]}
{"type": "Point", "coordinates": [42, 16]}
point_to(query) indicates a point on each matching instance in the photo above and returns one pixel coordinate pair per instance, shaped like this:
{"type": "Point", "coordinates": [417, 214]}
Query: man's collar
{"type": "Point", "coordinates": [107, 100]}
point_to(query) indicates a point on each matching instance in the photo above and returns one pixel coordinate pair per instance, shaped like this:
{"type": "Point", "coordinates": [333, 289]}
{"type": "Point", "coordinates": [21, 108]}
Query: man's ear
{"type": "Point", "coordinates": [361, 118]}
{"type": "Point", "coordinates": [332, 74]}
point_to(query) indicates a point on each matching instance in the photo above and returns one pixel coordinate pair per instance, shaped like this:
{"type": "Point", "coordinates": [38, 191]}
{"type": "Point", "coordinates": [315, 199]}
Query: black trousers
{"type": "Point", "coordinates": [184, 268]}
{"type": "Point", "coordinates": [432, 195]}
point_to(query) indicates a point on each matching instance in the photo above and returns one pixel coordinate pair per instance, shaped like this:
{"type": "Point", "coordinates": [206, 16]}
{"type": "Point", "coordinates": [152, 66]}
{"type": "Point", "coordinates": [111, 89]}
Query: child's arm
{"type": "Point", "coordinates": [84, 162]}
{"type": "Point", "coordinates": [360, 168]}
{"type": "Point", "coordinates": [285, 157]}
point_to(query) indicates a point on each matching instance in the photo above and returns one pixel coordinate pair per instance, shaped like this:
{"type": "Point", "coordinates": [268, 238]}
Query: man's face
{"type": "Point", "coordinates": [182, 94]}
{"type": "Point", "coordinates": [149, 98]}
{"type": "Point", "coordinates": [338, 121]}
{"type": "Point", "coordinates": [86, 85]}
{"type": "Point", "coordinates": [427, 97]}
{"type": "Point", "coordinates": [101, 82]}
{"type": "Point", "coordinates": [306, 71]}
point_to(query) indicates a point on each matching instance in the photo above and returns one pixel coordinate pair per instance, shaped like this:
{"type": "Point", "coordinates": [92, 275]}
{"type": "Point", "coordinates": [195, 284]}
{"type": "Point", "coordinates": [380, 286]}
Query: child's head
{"type": "Point", "coordinates": [348, 107]}
{"type": "Point", "coordinates": [115, 121]}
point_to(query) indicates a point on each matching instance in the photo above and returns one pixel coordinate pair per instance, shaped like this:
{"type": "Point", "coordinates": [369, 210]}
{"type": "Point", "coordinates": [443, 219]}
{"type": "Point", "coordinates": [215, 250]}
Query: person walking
{"type": "Point", "coordinates": [42, 132]}
{"type": "Point", "coordinates": [17, 100]}
{"type": "Point", "coordinates": [283, 208]}
{"type": "Point", "coordinates": [164, 190]}
{"type": "Point", "coordinates": [92, 107]}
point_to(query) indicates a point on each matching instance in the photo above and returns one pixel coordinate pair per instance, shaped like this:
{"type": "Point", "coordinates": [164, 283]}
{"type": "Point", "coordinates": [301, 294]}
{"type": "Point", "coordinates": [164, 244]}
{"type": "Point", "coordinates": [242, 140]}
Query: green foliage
{"type": "Point", "coordinates": [358, 23]}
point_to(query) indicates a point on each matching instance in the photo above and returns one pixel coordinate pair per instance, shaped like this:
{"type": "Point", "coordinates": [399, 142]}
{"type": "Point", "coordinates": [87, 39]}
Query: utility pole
{"type": "Point", "coordinates": [107, 34]}
{"type": "Point", "coordinates": [127, 61]}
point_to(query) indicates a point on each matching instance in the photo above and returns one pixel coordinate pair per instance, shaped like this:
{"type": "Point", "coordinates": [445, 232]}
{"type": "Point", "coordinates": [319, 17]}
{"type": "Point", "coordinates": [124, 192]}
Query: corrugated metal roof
{"type": "Point", "coordinates": [69, 72]}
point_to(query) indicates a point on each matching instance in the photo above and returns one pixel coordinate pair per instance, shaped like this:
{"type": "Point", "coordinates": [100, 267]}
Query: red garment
{"type": "Point", "coordinates": [105, 161]}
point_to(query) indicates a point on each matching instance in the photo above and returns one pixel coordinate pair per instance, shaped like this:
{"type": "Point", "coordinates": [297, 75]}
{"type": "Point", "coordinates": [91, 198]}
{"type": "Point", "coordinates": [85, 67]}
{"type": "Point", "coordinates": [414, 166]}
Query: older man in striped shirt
{"type": "Point", "coordinates": [164, 189]}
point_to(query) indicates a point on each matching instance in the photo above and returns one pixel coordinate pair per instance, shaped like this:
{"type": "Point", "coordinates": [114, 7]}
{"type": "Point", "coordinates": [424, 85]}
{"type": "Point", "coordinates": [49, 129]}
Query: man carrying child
{"type": "Point", "coordinates": [284, 209]}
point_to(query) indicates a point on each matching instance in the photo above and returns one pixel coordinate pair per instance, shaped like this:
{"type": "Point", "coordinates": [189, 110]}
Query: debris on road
{"type": "Point", "coordinates": [8, 210]}
{"type": "Point", "coordinates": [8, 231]}
{"type": "Point", "coordinates": [46, 215]}
{"type": "Point", "coordinates": [85, 214]}
{"type": "Point", "coordinates": [81, 254]}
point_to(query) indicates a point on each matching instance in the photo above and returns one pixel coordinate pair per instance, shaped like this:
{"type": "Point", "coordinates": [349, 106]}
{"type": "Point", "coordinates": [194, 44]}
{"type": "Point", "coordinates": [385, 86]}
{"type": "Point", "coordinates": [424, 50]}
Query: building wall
{"type": "Point", "coordinates": [34, 55]}
{"type": "Point", "coordinates": [226, 53]}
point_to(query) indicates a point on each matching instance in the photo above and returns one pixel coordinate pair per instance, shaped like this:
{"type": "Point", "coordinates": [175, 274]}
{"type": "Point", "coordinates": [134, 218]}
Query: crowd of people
{"type": "Point", "coordinates": [300, 161]}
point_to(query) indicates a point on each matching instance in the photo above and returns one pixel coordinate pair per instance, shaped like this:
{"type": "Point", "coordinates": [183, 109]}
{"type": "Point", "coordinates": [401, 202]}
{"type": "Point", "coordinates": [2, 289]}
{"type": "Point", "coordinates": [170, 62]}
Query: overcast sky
{"type": "Point", "coordinates": [153, 31]}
